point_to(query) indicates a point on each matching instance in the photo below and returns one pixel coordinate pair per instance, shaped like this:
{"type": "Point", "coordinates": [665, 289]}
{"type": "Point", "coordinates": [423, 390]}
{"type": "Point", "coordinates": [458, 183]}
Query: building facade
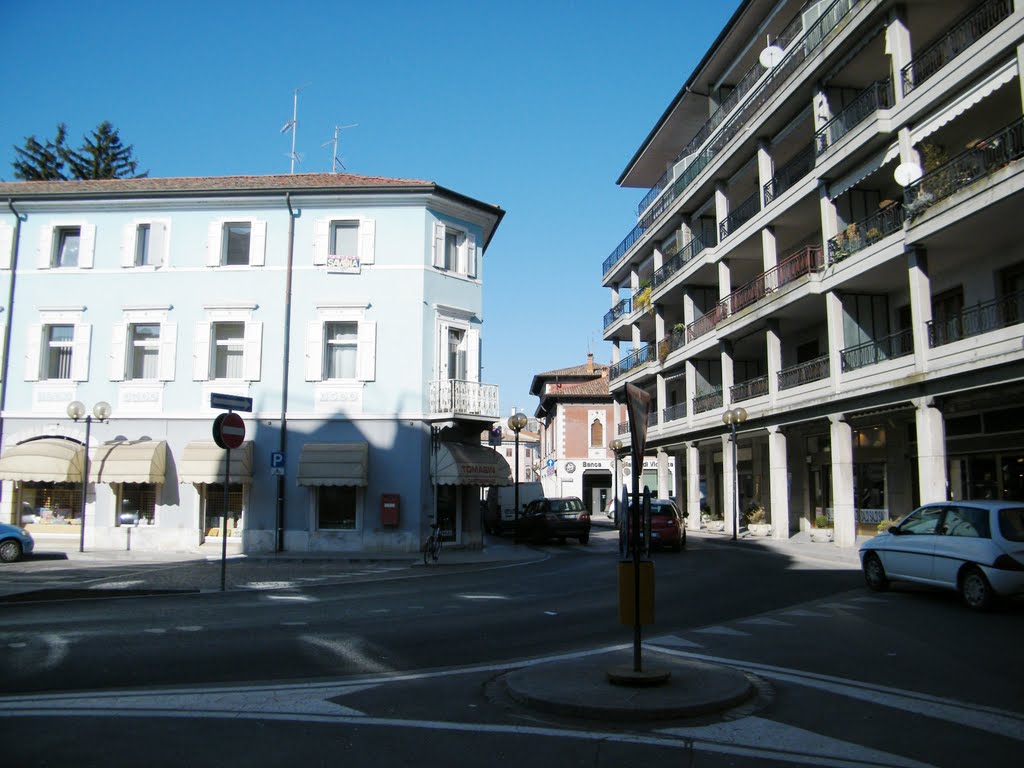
{"type": "Point", "coordinates": [347, 308]}
{"type": "Point", "coordinates": [829, 243]}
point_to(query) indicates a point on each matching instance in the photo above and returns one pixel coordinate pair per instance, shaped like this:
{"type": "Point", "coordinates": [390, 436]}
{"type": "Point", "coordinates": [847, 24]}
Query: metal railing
{"type": "Point", "coordinates": [961, 36]}
{"type": "Point", "coordinates": [865, 232]}
{"type": "Point", "coordinates": [748, 389]}
{"type": "Point", "coordinates": [706, 322]}
{"type": "Point", "coordinates": [622, 428]}
{"type": "Point", "coordinates": [899, 344]}
{"type": "Point", "coordinates": [624, 307]}
{"type": "Point", "coordinates": [683, 256]}
{"type": "Point", "coordinates": [805, 373]}
{"type": "Point", "coordinates": [739, 216]}
{"type": "Point", "coordinates": [876, 96]}
{"type": "Point", "coordinates": [789, 174]}
{"type": "Point", "coordinates": [976, 320]}
{"type": "Point", "coordinates": [642, 356]}
{"type": "Point", "coordinates": [466, 397]}
{"type": "Point", "coordinates": [652, 418]}
{"type": "Point", "coordinates": [986, 157]}
{"type": "Point", "coordinates": [707, 401]}
{"type": "Point", "coordinates": [674, 412]}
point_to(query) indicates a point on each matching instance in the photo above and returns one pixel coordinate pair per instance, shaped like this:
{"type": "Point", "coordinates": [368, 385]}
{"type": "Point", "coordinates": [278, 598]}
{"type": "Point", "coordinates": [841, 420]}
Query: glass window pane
{"type": "Point", "coordinates": [237, 249]}
{"type": "Point", "coordinates": [451, 249]}
{"type": "Point", "coordinates": [67, 250]}
{"type": "Point", "coordinates": [345, 238]}
{"type": "Point", "coordinates": [142, 246]}
{"type": "Point", "coordinates": [340, 349]}
{"type": "Point", "coordinates": [336, 507]}
{"type": "Point", "coordinates": [229, 350]}
{"type": "Point", "coordinates": [58, 354]}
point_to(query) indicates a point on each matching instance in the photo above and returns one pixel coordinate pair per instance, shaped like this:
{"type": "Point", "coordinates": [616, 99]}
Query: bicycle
{"type": "Point", "coordinates": [433, 547]}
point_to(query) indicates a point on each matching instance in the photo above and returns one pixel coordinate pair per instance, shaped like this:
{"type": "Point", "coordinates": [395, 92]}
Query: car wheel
{"type": "Point", "coordinates": [10, 550]}
{"type": "Point", "coordinates": [975, 589]}
{"type": "Point", "coordinates": [874, 573]}
{"type": "Point", "coordinates": [584, 538]}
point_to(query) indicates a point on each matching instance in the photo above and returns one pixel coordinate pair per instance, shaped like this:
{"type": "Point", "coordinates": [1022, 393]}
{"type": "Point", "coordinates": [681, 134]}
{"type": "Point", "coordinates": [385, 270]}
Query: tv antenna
{"type": "Point", "coordinates": [335, 161]}
{"type": "Point", "coordinates": [293, 126]}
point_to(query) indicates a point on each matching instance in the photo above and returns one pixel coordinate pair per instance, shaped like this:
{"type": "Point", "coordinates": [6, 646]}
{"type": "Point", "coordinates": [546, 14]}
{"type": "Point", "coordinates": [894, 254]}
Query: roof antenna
{"type": "Point", "coordinates": [335, 160]}
{"type": "Point", "coordinates": [293, 126]}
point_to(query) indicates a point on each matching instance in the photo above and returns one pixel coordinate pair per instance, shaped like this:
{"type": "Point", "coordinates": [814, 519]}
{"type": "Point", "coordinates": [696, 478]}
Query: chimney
{"type": "Point", "coordinates": [590, 362]}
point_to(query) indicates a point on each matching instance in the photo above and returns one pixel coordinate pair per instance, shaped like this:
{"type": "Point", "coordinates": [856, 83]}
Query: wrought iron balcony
{"type": "Point", "coordinates": [805, 373]}
{"type": "Point", "coordinates": [876, 96]}
{"type": "Point", "coordinates": [707, 401]}
{"type": "Point", "coordinates": [642, 356]}
{"type": "Point", "coordinates": [899, 344]}
{"type": "Point", "coordinates": [961, 36]}
{"type": "Point", "coordinates": [789, 174]}
{"type": "Point", "coordinates": [739, 216]}
{"type": "Point", "coordinates": [678, 261]}
{"type": "Point", "coordinates": [865, 232]}
{"type": "Point", "coordinates": [624, 307]}
{"type": "Point", "coordinates": [976, 320]}
{"type": "Point", "coordinates": [749, 389]}
{"type": "Point", "coordinates": [468, 398]}
{"type": "Point", "coordinates": [674, 412]}
{"type": "Point", "coordinates": [986, 157]}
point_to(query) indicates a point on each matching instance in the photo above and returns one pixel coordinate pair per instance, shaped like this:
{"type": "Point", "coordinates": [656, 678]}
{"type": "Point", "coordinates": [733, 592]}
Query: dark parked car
{"type": "Point", "coordinates": [668, 529]}
{"type": "Point", "coordinates": [561, 519]}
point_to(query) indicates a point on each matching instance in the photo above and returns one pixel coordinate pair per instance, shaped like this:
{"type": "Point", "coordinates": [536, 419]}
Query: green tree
{"type": "Point", "coordinates": [41, 160]}
{"type": "Point", "coordinates": [101, 156]}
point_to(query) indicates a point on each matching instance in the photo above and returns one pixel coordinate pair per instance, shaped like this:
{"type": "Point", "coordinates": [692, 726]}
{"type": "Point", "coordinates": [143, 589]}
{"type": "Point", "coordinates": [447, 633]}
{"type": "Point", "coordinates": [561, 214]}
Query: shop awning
{"type": "Point", "coordinates": [127, 461]}
{"type": "Point", "coordinates": [463, 464]}
{"type": "Point", "coordinates": [46, 460]}
{"type": "Point", "coordinates": [204, 462]}
{"type": "Point", "coordinates": [968, 99]}
{"type": "Point", "coordinates": [333, 464]}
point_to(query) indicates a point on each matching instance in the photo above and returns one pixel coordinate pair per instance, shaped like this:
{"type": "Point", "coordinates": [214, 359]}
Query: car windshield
{"type": "Point", "coordinates": [1011, 523]}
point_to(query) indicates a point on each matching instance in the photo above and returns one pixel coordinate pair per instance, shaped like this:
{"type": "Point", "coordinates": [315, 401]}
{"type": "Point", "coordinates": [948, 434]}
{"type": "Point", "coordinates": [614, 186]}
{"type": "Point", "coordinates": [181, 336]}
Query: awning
{"type": "Point", "coordinates": [203, 462]}
{"type": "Point", "coordinates": [127, 461]}
{"type": "Point", "coordinates": [333, 464]}
{"type": "Point", "coordinates": [971, 97]}
{"type": "Point", "coordinates": [463, 464]}
{"type": "Point", "coordinates": [47, 460]}
{"type": "Point", "coordinates": [871, 165]}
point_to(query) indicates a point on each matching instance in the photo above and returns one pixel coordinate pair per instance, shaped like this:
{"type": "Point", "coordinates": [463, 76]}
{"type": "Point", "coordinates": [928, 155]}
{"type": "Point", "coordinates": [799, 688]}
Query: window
{"type": "Point", "coordinates": [142, 249]}
{"type": "Point", "coordinates": [923, 521]}
{"type": "Point", "coordinates": [596, 434]}
{"type": "Point", "coordinates": [228, 346]}
{"type": "Point", "coordinates": [236, 243]}
{"type": "Point", "coordinates": [457, 354]}
{"type": "Point", "coordinates": [967, 522]}
{"type": "Point", "coordinates": [454, 249]}
{"type": "Point", "coordinates": [336, 507]}
{"type": "Point", "coordinates": [344, 238]}
{"type": "Point", "coordinates": [68, 240]}
{"type": "Point", "coordinates": [144, 351]}
{"type": "Point", "coordinates": [341, 345]}
{"type": "Point", "coordinates": [59, 345]}
{"type": "Point", "coordinates": [136, 503]}
{"type": "Point", "coordinates": [451, 249]}
{"type": "Point", "coordinates": [213, 509]}
{"type": "Point", "coordinates": [229, 350]}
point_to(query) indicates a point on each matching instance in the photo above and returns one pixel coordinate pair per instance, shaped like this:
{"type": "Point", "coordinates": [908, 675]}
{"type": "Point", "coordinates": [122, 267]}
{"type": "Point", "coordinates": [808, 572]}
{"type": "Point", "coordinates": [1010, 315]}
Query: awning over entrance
{"type": "Point", "coordinates": [46, 460]}
{"type": "Point", "coordinates": [333, 464]}
{"type": "Point", "coordinates": [126, 461]}
{"type": "Point", "coordinates": [463, 464]}
{"type": "Point", "coordinates": [203, 462]}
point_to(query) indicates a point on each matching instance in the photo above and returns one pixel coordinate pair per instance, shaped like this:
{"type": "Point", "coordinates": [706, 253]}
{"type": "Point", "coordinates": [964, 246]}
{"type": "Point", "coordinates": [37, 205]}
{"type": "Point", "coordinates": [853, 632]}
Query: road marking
{"type": "Point", "coordinates": [189, 629]}
{"type": "Point", "coordinates": [674, 641]}
{"type": "Point", "coordinates": [347, 649]}
{"type": "Point", "coordinates": [806, 614]}
{"type": "Point", "coordinates": [720, 630]}
{"type": "Point", "coordinates": [765, 621]}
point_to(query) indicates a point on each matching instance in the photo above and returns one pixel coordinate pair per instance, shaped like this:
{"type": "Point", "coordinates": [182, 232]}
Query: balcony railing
{"type": "Point", "coordinates": [739, 216]}
{"type": "Point", "coordinates": [876, 96]}
{"type": "Point", "coordinates": [706, 322]}
{"type": "Point", "coordinates": [707, 401]}
{"type": "Point", "coordinates": [789, 174]}
{"type": "Point", "coordinates": [749, 389]}
{"type": "Point", "coordinates": [766, 86]}
{"type": "Point", "coordinates": [652, 418]}
{"type": "Point", "coordinates": [961, 36]}
{"type": "Point", "coordinates": [805, 373]}
{"type": "Point", "coordinates": [865, 232]}
{"type": "Point", "coordinates": [624, 307]}
{"type": "Point", "coordinates": [678, 261]}
{"type": "Point", "coordinates": [622, 428]}
{"type": "Point", "coordinates": [674, 412]}
{"type": "Point", "coordinates": [642, 356]}
{"type": "Point", "coordinates": [470, 398]}
{"type": "Point", "coordinates": [976, 320]}
{"type": "Point", "coordinates": [983, 159]}
{"type": "Point", "coordinates": [899, 344]}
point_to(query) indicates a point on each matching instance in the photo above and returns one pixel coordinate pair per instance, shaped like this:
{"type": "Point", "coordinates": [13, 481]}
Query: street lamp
{"type": "Point", "coordinates": [615, 446]}
{"type": "Point", "coordinates": [731, 418]}
{"type": "Point", "coordinates": [516, 422]}
{"type": "Point", "coordinates": [76, 411]}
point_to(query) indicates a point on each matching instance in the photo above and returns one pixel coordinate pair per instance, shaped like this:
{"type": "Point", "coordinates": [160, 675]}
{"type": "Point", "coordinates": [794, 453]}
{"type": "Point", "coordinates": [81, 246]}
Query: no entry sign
{"type": "Point", "coordinates": [228, 430]}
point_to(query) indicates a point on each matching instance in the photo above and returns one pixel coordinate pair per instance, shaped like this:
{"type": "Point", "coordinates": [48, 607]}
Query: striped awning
{"type": "Point", "coordinates": [333, 464]}
{"type": "Point", "coordinates": [128, 461]}
{"type": "Point", "coordinates": [205, 462]}
{"type": "Point", "coordinates": [465, 464]}
{"type": "Point", "coordinates": [46, 460]}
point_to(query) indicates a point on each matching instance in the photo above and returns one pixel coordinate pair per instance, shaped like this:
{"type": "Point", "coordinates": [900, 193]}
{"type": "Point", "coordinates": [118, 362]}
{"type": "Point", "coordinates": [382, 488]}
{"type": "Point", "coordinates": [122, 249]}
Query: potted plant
{"type": "Point", "coordinates": [874, 234]}
{"type": "Point", "coordinates": [885, 525]}
{"type": "Point", "coordinates": [853, 237]}
{"type": "Point", "coordinates": [823, 531]}
{"type": "Point", "coordinates": [663, 350]}
{"type": "Point", "coordinates": [757, 520]}
{"type": "Point", "coordinates": [716, 520]}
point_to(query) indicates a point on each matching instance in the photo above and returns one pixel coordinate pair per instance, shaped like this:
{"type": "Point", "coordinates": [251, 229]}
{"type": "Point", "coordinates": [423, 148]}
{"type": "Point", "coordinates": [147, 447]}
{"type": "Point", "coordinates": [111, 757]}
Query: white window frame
{"type": "Point", "coordinates": [204, 347]}
{"type": "Point", "coordinates": [366, 342]}
{"type": "Point", "coordinates": [449, 318]}
{"type": "Point", "coordinates": [121, 352]}
{"type": "Point", "coordinates": [37, 345]}
{"type": "Point", "coordinates": [48, 251]}
{"type": "Point", "coordinates": [323, 238]}
{"type": "Point", "coordinates": [159, 239]}
{"type": "Point", "coordinates": [217, 242]}
{"type": "Point", "coordinates": [467, 252]}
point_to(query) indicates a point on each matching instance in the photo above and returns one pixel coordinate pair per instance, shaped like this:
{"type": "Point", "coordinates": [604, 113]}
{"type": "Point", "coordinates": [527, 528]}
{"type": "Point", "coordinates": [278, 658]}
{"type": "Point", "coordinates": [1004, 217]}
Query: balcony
{"type": "Point", "coordinates": [976, 320]}
{"type": "Point", "coordinates": [749, 389]}
{"type": "Point", "coordinates": [805, 373]}
{"type": "Point", "coordinates": [466, 398]}
{"type": "Point", "coordinates": [624, 307]}
{"type": "Point", "coordinates": [983, 159]}
{"type": "Point", "coordinates": [739, 216]}
{"type": "Point", "coordinates": [865, 232]}
{"type": "Point", "coordinates": [677, 261]}
{"type": "Point", "coordinates": [789, 174]}
{"type": "Point", "coordinates": [706, 322]}
{"type": "Point", "coordinates": [961, 36]}
{"type": "Point", "coordinates": [707, 401]}
{"type": "Point", "coordinates": [640, 357]}
{"type": "Point", "coordinates": [674, 412]}
{"type": "Point", "coordinates": [876, 96]}
{"type": "Point", "coordinates": [899, 344]}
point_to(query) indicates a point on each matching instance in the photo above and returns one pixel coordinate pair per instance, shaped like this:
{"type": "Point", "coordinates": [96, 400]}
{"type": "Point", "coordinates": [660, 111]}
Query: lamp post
{"type": "Point", "coordinates": [76, 411]}
{"type": "Point", "coordinates": [516, 422]}
{"type": "Point", "coordinates": [615, 446]}
{"type": "Point", "coordinates": [731, 418]}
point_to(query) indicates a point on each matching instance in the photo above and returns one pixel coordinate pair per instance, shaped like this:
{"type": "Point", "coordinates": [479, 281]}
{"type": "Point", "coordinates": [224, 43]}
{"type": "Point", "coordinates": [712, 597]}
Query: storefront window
{"type": "Point", "coordinates": [136, 504]}
{"type": "Point", "coordinates": [51, 503]}
{"type": "Point", "coordinates": [213, 509]}
{"type": "Point", "coordinates": [336, 507]}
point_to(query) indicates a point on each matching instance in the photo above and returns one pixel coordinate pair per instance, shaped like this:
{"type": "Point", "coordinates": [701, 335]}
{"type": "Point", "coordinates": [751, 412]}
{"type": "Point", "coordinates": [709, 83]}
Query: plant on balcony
{"type": "Point", "coordinates": [642, 299]}
{"type": "Point", "coordinates": [678, 327]}
{"type": "Point", "coordinates": [663, 349]}
{"type": "Point", "coordinates": [874, 235]}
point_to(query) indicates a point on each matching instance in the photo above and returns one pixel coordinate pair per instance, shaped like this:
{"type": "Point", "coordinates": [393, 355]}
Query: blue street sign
{"type": "Point", "coordinates": [230, 402]}
{"type": "Point", "coordinates": [277, 463]}
{"type": "Point", "coordinates": [551, 462]}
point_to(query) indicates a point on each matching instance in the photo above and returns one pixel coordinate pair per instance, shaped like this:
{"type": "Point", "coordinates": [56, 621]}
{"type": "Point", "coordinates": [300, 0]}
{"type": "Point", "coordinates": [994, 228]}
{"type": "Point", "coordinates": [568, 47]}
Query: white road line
{"type": "Point", "coordinates": [765, 621]}
{"type": "Point", "coordinates": [721, 630]}
{"type": "Point", "coordinates": [674, 642]}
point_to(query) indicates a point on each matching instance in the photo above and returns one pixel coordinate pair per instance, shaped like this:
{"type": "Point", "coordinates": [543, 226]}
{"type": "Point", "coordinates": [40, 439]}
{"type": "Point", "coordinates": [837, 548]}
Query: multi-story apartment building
{"type": "Point", "coordinates": [830, 243]}
{"type": "Point", "coordinates": [348, 308]}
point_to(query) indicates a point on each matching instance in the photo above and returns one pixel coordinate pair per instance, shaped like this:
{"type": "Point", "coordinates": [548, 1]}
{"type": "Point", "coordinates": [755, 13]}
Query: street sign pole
{"type": "Point", "coordinates": [638, 403]}
{"type": "Point", "coordinates": [228, 433]}
{"type": "Point", "coordinates": [224, 519]}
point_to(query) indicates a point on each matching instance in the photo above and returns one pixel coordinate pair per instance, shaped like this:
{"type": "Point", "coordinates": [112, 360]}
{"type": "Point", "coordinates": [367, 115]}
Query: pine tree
{"type": "Point", "coordinates": [102, 156]}
{"type": "Point", "coordinates": [39, 161]}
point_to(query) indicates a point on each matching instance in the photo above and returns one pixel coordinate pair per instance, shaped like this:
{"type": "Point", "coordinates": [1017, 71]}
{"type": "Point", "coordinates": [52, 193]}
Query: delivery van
{"type": "Point", "coordinates": [499, 512]}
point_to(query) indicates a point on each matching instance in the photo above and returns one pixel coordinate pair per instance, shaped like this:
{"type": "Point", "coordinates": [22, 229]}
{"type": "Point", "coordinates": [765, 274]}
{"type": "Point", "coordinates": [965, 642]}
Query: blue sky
{"type": "Point", "coordinates": [532, 106]}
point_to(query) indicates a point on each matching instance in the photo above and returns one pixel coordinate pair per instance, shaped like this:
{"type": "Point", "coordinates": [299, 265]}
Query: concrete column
{"type": "Point", "coordinates": [834, 319]}
{"type": "Point", "coordinates": [616, 352]}
{"type": "Point", "coordinates": [773, 339]}
{"type": "Point", "coordinates": [721, 206]}
{"type": "Point", "coordinates": [843, 511]}
{"type": "Point", "coordinates": [685, 232]}
{"type": "Point", "coordinates": [769, 251]}
{"type": "Point", "coordinates": [659, 259]}
{"type": "Point", "coordinates": [931, 452]}
{"type": "Point", "coordinates": [728, 481]}
{"type": "Point", "coordinates": [689, 308]}
{"type": "Point", "coordinates": [661, 396]}
{"type": "Point", "coordinates": [664, 476]}
{"type": "Point", "coordinates": [829, 218]}
{"type": "Point", "coordinates": [778, 483]}
{"type": "Point", "coordinates": [728, 375]}
{"type": "Point", "coordinates": [897, 46]}
{"type": "Point", "coordinates": [692, 485]}
{"type": "Point", "coordinates": [821, 106]}
{"type": "Point", "coordinates": [1020, 68]}
{"type": "Point", "coordinates": [724, 279]}
{"type": "Point", "coordinates": [765, 166]}
{"type": "Point", "coordinates": [920, 304]}
{"type": "Point", "coordinates": [691, 387]}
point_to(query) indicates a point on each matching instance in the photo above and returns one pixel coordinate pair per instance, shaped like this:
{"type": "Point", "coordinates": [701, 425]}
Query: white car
{"type": "Point", "coordinates": [973, 547]}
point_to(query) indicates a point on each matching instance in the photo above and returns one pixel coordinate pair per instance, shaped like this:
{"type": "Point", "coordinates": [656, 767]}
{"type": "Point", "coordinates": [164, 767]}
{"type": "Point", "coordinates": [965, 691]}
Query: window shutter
{"type": "Point", "coordinates": [442, 351]}
{"type": "Point", "coordinates": [367, 240]}
{"type": "Point", "coordinates": [438, 244]}
{"type": "Point", "coordinates": [87, 246]}
{"type": "Point", "coordinates": [33, 345]}
{"type": "Point", "coordinates": [321, 240]}
{"type": "Point", "coordinates": [6, 244]}
{"type": "Point", "coordinates": [128, 235]}
{"type": "Point", "coordinates": [252, 351]}
{"type": "Point", "coordinates": [157, 243]}
{"type": "Point", "coordinates": [258, 244]}
{"type": "Point", "coordinates": [201, 351]}
{"type": "Point", "coordinates": [168, 351]}
{"type": "Point", "coordinates": [44, 251]}
{"type": "Point", "coordinates": [118, 347]}
{"type": "Point", "coordinates": [471, 254]}
{"type": "Point", "coordinates": [214, 247]}
{"type": "Point", "coordinates": [473, 355]}
{"type": "Point", "coordinates": [367, 351]}
{"type": "Point", "coordinates": [314, 351]}
{"type": "Point", "coordinates": [80, 352]}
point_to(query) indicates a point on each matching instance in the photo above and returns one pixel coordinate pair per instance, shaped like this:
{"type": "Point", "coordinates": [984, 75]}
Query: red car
{"type": "Point", "coordinates": [668, 530]}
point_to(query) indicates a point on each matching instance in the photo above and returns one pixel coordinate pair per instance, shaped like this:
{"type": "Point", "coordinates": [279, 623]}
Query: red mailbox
{"type": "Point", "coordinates": [390, 507]}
